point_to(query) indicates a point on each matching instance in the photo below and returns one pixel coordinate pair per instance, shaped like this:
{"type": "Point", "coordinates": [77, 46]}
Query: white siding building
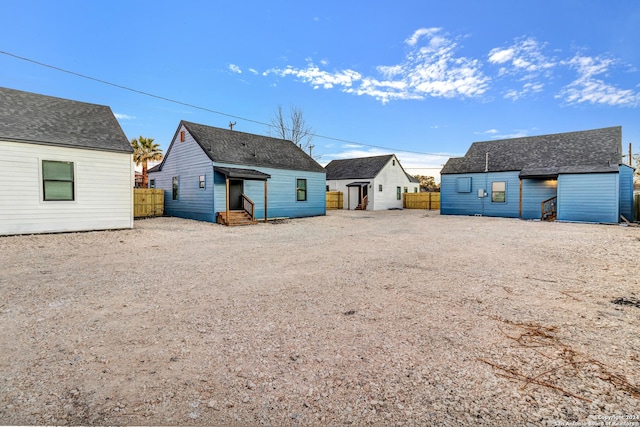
{"type": "Point", "coordinates": [65, 166]}
{"type": "Point", "coordinates": [370, 183]}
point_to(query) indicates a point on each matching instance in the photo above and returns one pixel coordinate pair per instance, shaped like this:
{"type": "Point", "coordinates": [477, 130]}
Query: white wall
{"type": "Point", "coordinates": [103, 190]}
{"type": "Point", "coordinates": [390, 177]}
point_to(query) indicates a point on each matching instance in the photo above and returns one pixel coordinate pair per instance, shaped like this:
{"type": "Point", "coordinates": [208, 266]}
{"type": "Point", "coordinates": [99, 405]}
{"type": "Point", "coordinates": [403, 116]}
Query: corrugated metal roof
{"type": "Point", "coordinates": [33, 118]}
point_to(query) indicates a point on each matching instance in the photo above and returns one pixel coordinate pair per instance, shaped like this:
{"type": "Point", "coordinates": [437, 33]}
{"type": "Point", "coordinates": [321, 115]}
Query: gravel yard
{"type": "Point", "coordinates": [365, 318]}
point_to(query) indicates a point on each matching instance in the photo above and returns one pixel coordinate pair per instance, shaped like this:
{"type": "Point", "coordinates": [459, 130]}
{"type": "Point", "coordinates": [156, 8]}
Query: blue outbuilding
{"type": "Point", "coordinates": [573, 176]}
{"type": "Point", "coordinates": [222, 175]}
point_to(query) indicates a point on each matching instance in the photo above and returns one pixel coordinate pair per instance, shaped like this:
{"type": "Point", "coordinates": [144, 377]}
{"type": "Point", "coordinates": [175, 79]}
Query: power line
{"type": "Point", "coordinates": [209, 110]}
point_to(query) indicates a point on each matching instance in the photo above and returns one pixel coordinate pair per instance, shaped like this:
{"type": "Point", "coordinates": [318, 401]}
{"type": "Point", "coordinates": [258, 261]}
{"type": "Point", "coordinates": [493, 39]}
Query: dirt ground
{"type": "Point", "coordinates": [365, 318]}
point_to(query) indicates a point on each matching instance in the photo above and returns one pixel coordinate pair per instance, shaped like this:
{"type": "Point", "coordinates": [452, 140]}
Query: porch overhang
{"type": "Point", "coordinates": [358, 183]}
{"type": "Point", "coordinates": [239, 173]}
{"type": "Point", "coordinates": [539, 173]}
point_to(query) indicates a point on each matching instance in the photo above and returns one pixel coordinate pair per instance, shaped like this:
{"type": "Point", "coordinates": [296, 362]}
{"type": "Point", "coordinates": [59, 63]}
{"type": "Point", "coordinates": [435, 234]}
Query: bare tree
{"type": "Point", "coordinates": [293, 128]}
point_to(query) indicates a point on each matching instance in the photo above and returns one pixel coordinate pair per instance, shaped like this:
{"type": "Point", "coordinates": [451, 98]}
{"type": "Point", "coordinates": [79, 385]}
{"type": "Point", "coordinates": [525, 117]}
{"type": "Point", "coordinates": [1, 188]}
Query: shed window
{"type": "Point", "coordinates": [464, 184]}
{"type": "Point", "coordinates": [152, 183]}
{"type": "Point", "coordinates": [201, 181]}
{"type": "Point", "coordinates": [399, 193]}
{"type": "Point", "coordinates": [176, 187]}
{"type": "Point", "coordinates": [57, 181]}
{"type": "Point", "coordinates": [415, 189]}
{"type": "Point", "coordinates": [379, 187]}
{"type": "Point", "coordinates": [498, 191]}
{"type": "Point", "coordinates": [301, 190]}
{"type": "Point", "coordinates": [406, 189]}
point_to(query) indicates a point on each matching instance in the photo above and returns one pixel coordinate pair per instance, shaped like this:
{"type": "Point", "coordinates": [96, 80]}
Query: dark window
{"type": "Point", "coordinates": [152, 183]}
{"type": "Point", "coordinates": [399, 193]}
{"type": "Point", "coordinates": [175, 184]}
{"type": "Point", "coordinates": [498, 191]}
{"type": "Point", "coordinates": [57, 180]}
{"type": "Point", "coordinates": [380, 187]}
{"type": "Point", "coordinates": [415, 189]}
{"type": "Point", "coordinates": [406, 189]}
{"type": "Point", "coordinates": [301, 190]}
{"type": "Point", "coordinates": [201, 181]}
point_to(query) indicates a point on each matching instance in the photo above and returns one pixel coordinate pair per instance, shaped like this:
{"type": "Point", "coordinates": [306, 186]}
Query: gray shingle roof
{"type": "Point", "coordinates": [589, 151]}
{"type": "Point", "coordinates": [227, 146]}
{"type": "Point", "coordinates": [359, 168]}
{"type": "Point", "coordinates": [33, 118]}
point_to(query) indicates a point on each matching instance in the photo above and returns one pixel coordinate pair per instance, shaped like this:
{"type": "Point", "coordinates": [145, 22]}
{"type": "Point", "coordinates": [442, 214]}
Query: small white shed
{"type": "Point", "coordinates": [370, 183]}
{"type": "Point", "coordinates": [65, 166]}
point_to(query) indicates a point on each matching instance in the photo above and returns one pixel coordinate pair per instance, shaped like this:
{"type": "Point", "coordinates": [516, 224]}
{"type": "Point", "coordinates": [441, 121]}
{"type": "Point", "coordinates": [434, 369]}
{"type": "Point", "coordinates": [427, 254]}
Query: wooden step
{"type": "Point", "coordinates": [235, 218]}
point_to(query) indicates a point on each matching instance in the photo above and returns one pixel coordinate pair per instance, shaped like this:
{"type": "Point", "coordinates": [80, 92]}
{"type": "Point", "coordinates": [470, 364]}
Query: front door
{"type": "Point", "coordinates": [235, 194]}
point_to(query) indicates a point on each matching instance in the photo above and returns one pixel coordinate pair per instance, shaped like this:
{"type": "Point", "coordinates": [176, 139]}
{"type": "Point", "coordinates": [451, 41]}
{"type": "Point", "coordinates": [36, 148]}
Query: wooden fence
{"type": "Point", "coordinates": [148, 202]}
{"type": "Point", "coordinates": [429, 200]}
{"type": "Point", "coordinates": [334, 200]}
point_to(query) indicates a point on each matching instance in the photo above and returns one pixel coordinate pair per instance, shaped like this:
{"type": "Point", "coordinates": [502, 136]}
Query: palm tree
{"type": "Point", "coordinates": [144, 151]}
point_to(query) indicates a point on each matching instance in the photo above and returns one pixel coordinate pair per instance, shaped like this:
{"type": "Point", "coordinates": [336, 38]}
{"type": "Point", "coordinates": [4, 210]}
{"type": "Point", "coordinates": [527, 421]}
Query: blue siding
{"type": "Point", "coordinates": [626, 192]}
{"type": "Point", "coordinates": [534, 192]}
{"type": "Point", "coordinates": [468, 203]}
{"type": "Point", "coordinates": [588, 197]}
{"type": "Point", "coordinates": [187, 161]}
{"type": "Point", "coordinates": [281, 193]}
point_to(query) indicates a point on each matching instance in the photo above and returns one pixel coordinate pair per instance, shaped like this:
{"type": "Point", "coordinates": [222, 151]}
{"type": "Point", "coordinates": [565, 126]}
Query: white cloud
{"type": "Point", "coordinates": [586, 88]}
{"type": "Point", "coordinates": [411, 41]}
{"type": "Point", "coordinates": [235, 69]}
{"type": "Point", "coordinates": [123, 116]}
{"type": "Point", "coordinates": [487, 132]}
{"type": "Point", "coordinates": [253, 71]}
{"type": "Point", "coordinates": [525, 61]}
{"type": "Point", "coordinates": [430, 69]}
{"type": "Point", "coordinates": [500, 56]}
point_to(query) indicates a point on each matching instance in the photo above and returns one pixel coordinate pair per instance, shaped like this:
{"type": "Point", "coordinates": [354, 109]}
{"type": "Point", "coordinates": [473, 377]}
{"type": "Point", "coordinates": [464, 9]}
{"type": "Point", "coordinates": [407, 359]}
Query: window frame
{"type": "Point", "coordinates": [202, 181]}
{"type": "Point", "coordinates": [463, 184]}
{"type": "Point", "coordinates": [398, 193]}
{"type": "Point", "coordinates": [495, 192]}
{"type": "Point", "coordinates": [45, 181]}
{"type": "Point", "coordinates": [301, 190]}
{"type": "Point", "coordinates": [175, 188]}
{"type": "Point", "coordinates": [152, 183]}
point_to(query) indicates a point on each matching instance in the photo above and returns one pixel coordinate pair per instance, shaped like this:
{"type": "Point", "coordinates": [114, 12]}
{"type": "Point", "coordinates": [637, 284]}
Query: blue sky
{"type": "Point", "coordinates": [422, 79]}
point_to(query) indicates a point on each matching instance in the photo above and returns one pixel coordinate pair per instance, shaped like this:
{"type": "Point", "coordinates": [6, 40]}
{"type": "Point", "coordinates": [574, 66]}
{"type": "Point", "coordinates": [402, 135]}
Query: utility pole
{"type": "Point", "coordinates": [311, 150]}
{"type": "Point", "coordinates": [630, 156]}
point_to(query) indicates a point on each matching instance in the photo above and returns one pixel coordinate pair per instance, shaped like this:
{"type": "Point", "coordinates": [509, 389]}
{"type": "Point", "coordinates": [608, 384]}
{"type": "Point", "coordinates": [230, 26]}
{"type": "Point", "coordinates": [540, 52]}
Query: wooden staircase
{"type": "Point", "coordinates": [239, 217]}
{"type": "Point", "coordinates": [548, 209]}
{"type": "Point", "coordinates": [362, 206]}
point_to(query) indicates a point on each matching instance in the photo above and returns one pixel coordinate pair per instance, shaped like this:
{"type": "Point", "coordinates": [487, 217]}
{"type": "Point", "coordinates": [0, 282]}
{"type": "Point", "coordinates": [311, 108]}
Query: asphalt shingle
{"type": "Point", "coordinates": [589, 151]}
{"type": "Point", "coordinates": [230, 146]}
{"type": "Point", "coordinates": [33, 118]}
{"type": "Point", "coordinates": [359, 168]}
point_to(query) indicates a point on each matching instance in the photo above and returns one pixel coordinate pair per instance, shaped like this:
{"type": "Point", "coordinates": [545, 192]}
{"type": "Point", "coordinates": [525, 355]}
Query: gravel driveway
{"type": "Point", "coordinates": [365, 318]}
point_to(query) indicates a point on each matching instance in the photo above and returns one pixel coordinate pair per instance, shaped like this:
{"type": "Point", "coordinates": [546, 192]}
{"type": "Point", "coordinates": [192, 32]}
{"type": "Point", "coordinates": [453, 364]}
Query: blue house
{"type": "Point", "coordinates": [574, 176]}
{"type": "Point", "coordinates": [221, 175]}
